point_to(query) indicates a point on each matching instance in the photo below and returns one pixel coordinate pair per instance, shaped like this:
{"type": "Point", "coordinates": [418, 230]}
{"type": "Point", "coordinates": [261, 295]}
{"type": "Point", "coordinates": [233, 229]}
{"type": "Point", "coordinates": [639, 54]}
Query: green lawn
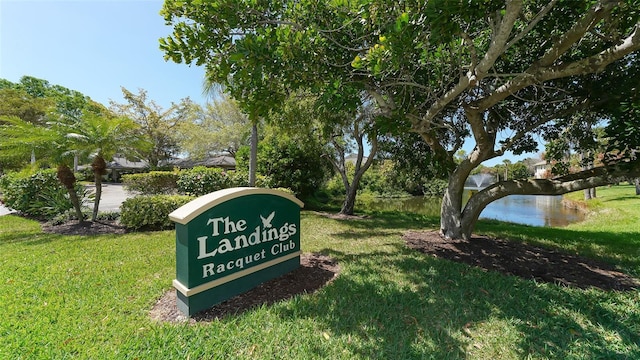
{"type": "Point", "coordinates": [89, 297]}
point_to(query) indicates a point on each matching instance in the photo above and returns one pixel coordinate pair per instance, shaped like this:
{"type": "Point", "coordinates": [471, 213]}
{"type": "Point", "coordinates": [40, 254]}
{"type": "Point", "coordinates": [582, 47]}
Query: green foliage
{"type": "Point", "coordinates": [38, 194]}
{"type": "Point", "coordinates": [219, 126]}
{"type": "Point", "coordinates": [377, 181]}
{"type": "Point", "coordinates": [152, 183]}
{"type": "Point", "coordinates": [202, 180]}
{"type": "Point", "coordinates": [500, 72]}
{"type": "Point", "coordinates": [624, 130]}
{"type": "Point", "coordinates": [158, 128]}
{"type": "Point", "coordinates": [414, 164]}
{"type": "Point", "coordinates": [293, 164]}
{"type": "Point", "coordinates": [240, 177]}
{"type": "Point", "coordinates": [434, 187]}
{"type": "Point", "coordinates": [150, 211]}
{"type": "Point", "coordinates": [291, 161]}
{"type": "Point", "coordinates": [17, 102]}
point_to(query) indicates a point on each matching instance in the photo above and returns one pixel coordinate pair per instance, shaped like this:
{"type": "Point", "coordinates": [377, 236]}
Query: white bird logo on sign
{"type": "Point", "coordinates": [267, 222]}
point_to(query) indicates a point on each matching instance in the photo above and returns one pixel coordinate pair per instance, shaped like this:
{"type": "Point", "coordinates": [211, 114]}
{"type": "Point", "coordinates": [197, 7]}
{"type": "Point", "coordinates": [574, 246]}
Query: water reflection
{"type": "Point", "coordinates": [535, 210]}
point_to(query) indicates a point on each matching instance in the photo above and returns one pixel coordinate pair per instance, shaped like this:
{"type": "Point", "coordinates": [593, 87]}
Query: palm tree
{"type": "Point", "coordinates": [22, 139]}
{"type": "Point", "coordinates": [99, 138]}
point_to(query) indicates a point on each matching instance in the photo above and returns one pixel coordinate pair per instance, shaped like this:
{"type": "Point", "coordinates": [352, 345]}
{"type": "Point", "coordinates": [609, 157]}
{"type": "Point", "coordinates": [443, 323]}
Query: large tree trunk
{"type": "Point", "coordinates": [451, 210]}
{"type": "Point", "coordinates": [99, 167]}
{"type": "Point", "coordinates": [349, 203]}
{"type": "Point", "coordinates": [253, 157]}
{"type": "Point", "coordinates": [452, 223]}
{"type": "Point", "coordinates": [637, 182]}
{"type": "Point", "coordinates": [66, 177]}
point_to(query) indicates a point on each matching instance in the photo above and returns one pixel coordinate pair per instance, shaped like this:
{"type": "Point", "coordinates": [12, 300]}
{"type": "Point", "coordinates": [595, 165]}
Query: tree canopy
{"type": "Point", "coordinates": [219, 126]}
{"type": "Point", "coordinates": [157, 126]}
{"type": "Point", "coordinates": [498, 73]}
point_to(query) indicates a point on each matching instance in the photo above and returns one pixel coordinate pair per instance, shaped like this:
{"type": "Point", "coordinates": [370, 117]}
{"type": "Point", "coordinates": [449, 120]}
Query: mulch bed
{"type": "Point", "coordinates": [523, 260]}
{"type": "Point", "coordinates": [315, 271]}
{"type": "Point", "coordinates": [102, 227]}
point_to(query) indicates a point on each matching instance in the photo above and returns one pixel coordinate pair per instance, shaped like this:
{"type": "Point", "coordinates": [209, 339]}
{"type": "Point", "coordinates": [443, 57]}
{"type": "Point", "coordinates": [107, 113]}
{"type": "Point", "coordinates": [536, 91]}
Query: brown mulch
{"type": "Point", "coordinates": [523, 260]}
{"type": "Point", "coordinates": [315, 271]}
{"type": "Point", "coordinates": [102, 227]}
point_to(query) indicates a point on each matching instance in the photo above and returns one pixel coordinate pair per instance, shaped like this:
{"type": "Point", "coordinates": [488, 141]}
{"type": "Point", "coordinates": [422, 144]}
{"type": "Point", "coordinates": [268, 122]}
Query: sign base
{"type": "Point", "coordinates": [190, 305]}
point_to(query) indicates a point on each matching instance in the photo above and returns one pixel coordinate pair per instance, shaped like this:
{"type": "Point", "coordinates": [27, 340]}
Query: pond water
{"type": "Point", "coordinates": [535, 210]}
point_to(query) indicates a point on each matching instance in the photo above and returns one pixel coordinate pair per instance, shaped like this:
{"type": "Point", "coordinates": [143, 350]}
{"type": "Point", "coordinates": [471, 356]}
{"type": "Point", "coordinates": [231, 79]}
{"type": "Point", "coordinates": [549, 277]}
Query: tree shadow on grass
{"type": "Point", "coordinates": [410, 305]}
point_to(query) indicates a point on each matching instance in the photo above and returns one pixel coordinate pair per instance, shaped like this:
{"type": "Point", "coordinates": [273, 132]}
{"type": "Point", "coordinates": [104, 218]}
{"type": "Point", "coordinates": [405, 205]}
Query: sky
{"type": "Point", "coordinates": [98, 46]}
{"type": "Point", "coordinates": [95, 47]}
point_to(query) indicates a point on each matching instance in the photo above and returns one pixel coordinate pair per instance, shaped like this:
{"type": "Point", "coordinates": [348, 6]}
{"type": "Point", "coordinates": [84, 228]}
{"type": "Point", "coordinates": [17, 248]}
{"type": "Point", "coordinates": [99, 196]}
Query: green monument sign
{"type": "Point", "coordinates": [232, 240]}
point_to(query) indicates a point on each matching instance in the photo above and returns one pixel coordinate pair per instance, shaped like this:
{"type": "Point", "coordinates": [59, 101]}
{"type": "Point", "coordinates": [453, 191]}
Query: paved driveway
{"type": "Point", "coordinates": [4, 210]}
{"type": "Point", "coordinates": [112, 196]}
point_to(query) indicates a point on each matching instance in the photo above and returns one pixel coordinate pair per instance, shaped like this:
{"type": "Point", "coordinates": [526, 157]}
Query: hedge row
{"type": "Point", "coordinates": [150, 211]}
{"type": "Point", "coordinates": [151, 183]}
{"type": "Point", "coordinates": [197, 181]}
{"type": "Point", "coordinates": [41, 195]}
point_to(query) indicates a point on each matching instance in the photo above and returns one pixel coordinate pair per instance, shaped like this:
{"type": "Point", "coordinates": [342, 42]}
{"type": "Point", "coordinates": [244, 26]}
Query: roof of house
{"type": "Point", "coordinates": [119, 163]}
{"type": "Point", "coordinates": [223, 161]}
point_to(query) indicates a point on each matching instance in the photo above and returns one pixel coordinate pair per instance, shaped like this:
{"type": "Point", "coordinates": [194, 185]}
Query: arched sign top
{"type": "Point", "coordinates": [191, 210]}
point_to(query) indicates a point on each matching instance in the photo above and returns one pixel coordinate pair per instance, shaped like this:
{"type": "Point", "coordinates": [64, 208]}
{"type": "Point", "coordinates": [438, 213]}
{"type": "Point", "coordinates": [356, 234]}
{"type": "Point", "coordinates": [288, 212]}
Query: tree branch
{"type": "Point", "coordinates": [586, 179]}
{"type": "Point", "coordinates": [597, 12]}
{"type": "Point", "coordinates": [532, 24]}
{"type": "Point", "coordinates": [535, 74]}
{"type": "Point", "coordinates": [474, 75]}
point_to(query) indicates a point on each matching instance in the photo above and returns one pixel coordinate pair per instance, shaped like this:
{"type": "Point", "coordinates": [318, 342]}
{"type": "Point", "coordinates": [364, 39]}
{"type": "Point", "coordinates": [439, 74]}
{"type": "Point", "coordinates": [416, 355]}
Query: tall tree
{"type": "Point", "coordinates": [350, 133]}
{"type": "Point", "coordinates": [250, 106]}
{"type": "Point", "coordinates": [17, 102]}
{"type": "Point", "coordinates": [220, 127]}
{"type": "Point", "coordinates": [342, 133]}
{"type": "Point", "coordinates": [494, 72]}
{"type": "Point", "coordinates": [158, 126]}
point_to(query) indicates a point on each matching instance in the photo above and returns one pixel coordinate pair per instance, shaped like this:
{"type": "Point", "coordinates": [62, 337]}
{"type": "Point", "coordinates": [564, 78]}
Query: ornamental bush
{"type": "Point", "coordinates": [202, 180]}
{"type": "Point", "coordinates": [152, 183]}
{"type": "Point", "coordinates": [38, 194]}
{"type": "Point", "coordinates": [150, 211]}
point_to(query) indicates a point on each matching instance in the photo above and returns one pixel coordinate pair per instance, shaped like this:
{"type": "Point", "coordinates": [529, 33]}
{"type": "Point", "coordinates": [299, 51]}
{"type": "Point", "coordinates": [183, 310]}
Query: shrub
{"type": "Point", "coordinates": [240, 178]}
{"type": "Point", "coordinates": [150, 211]}
{"type": "Point", "coordinates": [152, 183]}
{"type": "Point", "coordinates": [435, 187]}
{"type": "Point", "coordinates": [293, 163]}
{"type": "Point", "coordinates": [38, 194]}
{"type": "Point", "coordinates": [202, 180]}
